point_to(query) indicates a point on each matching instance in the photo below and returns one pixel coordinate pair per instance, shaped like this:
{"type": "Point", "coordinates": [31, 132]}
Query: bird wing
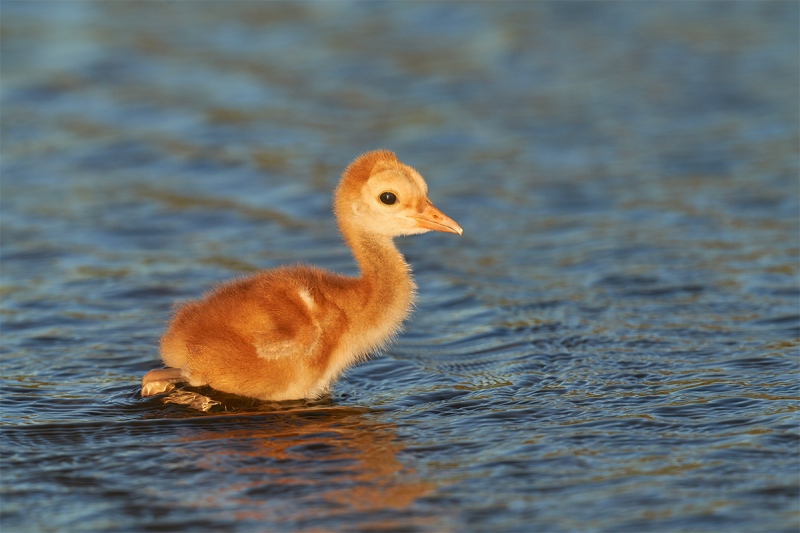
{"type": "Point", "coordinates": [291, 325]}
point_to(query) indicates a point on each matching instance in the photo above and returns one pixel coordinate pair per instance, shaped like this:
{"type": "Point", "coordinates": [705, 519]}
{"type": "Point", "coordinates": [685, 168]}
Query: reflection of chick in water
{"type": "Point", "coordinates": [333, 460]}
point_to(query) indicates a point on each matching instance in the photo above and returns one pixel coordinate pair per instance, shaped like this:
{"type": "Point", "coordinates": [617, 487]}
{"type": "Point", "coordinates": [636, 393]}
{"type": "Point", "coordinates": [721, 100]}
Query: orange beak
{"type": "Point", "coordinates": [432, 218]}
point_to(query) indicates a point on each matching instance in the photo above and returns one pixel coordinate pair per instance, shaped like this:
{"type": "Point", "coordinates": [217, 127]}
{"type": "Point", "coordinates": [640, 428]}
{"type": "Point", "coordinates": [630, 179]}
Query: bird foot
{"type": "Point", "coordinates": [194, 400]}
{"type": "Point", "coordinates": [161, 381]}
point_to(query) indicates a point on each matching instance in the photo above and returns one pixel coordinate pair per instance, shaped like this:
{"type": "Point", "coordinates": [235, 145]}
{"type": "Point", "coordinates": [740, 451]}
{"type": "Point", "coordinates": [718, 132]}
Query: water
{"type": "Point", "coordinates": [611, 346]}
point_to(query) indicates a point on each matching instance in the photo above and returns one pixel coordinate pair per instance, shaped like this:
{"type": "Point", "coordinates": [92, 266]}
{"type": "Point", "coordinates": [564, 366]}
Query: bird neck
{"type": "Point", "coordinates": [385, 281]}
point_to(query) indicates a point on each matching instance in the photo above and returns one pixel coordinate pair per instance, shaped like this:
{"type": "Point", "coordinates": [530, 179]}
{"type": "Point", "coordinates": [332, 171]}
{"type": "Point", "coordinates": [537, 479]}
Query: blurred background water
{"type": "Point", "coordinates": [611, 346]}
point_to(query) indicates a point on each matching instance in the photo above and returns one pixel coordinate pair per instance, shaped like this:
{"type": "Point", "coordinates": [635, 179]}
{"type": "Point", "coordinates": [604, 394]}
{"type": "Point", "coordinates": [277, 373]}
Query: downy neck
{"type": "Point", "coordinates": [385, 281]}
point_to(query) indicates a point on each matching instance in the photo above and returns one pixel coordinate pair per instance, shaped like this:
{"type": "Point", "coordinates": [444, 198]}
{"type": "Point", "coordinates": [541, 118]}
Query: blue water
{"type": "Point", "coordinates": [611, 346]}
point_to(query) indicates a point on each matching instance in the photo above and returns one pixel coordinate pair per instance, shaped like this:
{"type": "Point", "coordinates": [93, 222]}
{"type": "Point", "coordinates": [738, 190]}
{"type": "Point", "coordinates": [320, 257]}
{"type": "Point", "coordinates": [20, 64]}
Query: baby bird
{"type": "Point", "coordinates": [288, 333]}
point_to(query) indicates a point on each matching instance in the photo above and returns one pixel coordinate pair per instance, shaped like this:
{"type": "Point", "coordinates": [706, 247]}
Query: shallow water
{"type": "Point", "coordinates": [611, 346]}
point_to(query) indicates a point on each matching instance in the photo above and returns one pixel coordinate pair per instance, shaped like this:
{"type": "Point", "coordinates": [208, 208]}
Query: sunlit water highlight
{"type": "Point", "coordinates": [612, 345]}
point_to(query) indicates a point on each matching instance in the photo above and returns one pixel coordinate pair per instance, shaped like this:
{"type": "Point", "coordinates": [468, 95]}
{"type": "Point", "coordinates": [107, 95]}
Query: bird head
{"type": "Point", "coordinates": [381, 195]}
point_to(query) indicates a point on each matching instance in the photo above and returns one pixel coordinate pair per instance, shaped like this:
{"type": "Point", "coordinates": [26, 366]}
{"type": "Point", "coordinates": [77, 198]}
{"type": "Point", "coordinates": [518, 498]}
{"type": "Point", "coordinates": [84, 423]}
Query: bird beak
{"type": "Point", "coordinates": [432, 218]}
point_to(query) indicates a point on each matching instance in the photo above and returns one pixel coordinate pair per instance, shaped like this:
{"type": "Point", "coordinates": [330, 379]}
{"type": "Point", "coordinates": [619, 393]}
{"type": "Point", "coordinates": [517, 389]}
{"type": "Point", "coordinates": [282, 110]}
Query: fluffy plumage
{"type": "Point", "coordinates": [288, 333]}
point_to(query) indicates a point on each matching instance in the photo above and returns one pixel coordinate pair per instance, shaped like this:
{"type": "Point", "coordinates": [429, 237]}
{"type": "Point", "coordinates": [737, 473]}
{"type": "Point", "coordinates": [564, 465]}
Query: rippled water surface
{"type": "Point", "coordinates": [611, 346]}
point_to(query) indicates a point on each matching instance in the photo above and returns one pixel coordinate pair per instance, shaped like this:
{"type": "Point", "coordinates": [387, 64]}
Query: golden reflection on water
{"type": "Point", "coordinates": [337, 461]}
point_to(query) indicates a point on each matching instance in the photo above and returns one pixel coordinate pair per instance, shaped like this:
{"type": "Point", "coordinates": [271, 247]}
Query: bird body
{"type": "Point", "coordinates": [288, 333]}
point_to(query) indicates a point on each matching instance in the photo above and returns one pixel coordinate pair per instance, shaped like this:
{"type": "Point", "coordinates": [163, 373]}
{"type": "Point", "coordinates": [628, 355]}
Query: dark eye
{"type": "Point", "coordinates": [388, 198]}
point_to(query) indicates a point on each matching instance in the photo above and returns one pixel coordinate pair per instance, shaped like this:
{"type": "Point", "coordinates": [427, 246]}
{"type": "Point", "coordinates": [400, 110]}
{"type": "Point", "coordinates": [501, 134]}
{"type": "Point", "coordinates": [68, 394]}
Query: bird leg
{"type": "Point", "coordinates": [161, 380]}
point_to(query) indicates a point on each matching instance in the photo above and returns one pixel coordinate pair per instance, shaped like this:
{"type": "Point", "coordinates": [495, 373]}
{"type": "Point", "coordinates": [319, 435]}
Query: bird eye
{"type": "Point", "coordinates": [388, 198]}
